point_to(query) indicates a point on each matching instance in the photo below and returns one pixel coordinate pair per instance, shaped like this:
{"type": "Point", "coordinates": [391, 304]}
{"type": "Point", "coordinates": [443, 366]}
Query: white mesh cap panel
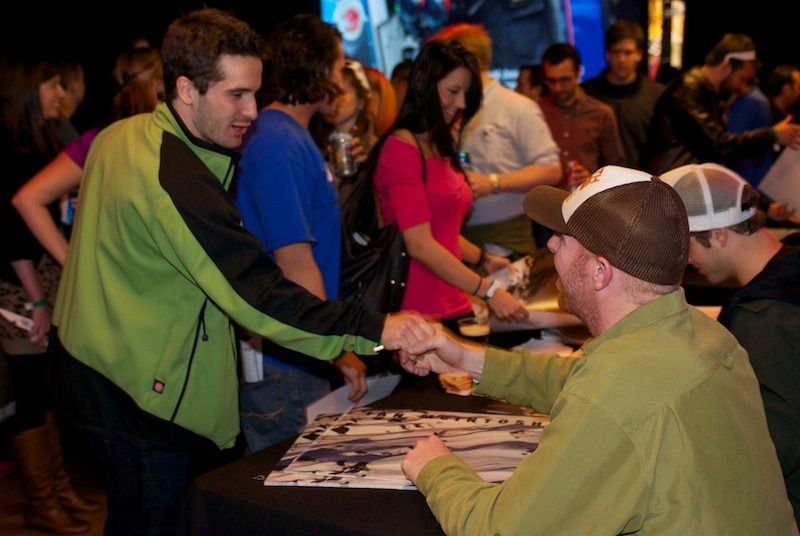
{"type": "Point", "coordinates": [711, 193]}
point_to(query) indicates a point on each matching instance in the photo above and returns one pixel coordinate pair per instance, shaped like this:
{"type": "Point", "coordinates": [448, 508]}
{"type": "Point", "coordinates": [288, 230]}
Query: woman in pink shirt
{"type": "Point", "coordinates": [421, 186]}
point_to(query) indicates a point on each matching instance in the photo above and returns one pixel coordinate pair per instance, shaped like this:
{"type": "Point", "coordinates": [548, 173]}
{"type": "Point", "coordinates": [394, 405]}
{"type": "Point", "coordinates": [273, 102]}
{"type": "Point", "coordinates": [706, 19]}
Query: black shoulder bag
{"type": "Point", "coordinates": [374, 261]}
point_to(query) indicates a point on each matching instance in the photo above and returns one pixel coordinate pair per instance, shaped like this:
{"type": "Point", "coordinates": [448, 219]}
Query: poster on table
{"type": "Point", "coordinates": [363, 447]}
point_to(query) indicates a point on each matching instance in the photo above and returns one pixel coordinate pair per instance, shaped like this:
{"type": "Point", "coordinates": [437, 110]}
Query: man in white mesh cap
{"type": "Point", "coordinates": [658, 429]}
{"type": "Point", "coordinates": [729, 241]}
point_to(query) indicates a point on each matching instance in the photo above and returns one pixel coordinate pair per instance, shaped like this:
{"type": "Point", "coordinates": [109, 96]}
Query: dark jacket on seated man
{"type": "Point", "coordinates": [772, 298]}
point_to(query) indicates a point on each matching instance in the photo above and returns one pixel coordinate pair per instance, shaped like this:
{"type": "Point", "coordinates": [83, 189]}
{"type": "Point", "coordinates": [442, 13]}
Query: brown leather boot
{"type": "Point", "coordinates": [42, 508]}
{"type": "Point", "coordinates": [66, 494]}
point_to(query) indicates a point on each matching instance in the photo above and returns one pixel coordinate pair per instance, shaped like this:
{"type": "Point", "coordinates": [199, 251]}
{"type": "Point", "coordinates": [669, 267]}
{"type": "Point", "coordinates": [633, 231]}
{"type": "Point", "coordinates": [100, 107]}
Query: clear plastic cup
{"type": "Point", "coordinates": [476, 328]}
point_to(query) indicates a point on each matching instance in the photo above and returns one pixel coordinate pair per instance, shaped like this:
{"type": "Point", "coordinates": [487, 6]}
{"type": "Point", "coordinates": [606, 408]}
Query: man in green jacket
{"type": "Point", "coordinates": [657, 428]}
{"type": "Point", "coordinates": [160, 270]}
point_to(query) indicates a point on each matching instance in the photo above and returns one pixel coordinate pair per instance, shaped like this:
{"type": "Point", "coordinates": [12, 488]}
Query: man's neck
{"type": "Point", "coordinates": [753, 252]}
{"type": "Point", "coordinates": [715, 74]}
{"type": "Point", "coordinates": [778, 102]}
{"type": "Point", "coordinates": [570, 102]}
{"type": "Point", "coordinates": [615, 80]}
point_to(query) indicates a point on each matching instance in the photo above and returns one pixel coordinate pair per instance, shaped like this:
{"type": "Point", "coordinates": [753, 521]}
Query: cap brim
{"type": "Point", "coordinates": [542, 204]}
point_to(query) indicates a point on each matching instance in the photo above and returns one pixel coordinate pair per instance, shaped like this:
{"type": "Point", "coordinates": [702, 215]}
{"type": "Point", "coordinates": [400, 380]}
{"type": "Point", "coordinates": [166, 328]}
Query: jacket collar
{"type": "Point", "coordinates": [194, 140]}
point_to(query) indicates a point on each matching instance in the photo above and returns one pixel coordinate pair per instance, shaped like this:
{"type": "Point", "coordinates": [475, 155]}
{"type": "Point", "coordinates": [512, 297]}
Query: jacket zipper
{"type": "Point", "coordinates": [201, 325]}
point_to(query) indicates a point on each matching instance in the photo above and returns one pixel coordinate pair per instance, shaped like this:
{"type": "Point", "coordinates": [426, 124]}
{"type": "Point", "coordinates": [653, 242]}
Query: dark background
{"type": "Point", "coordinates": [96, 34]}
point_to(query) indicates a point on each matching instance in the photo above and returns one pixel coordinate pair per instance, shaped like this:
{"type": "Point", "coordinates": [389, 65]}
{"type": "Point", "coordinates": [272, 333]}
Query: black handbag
{"type": "Point", "coordinates": [374, 261]}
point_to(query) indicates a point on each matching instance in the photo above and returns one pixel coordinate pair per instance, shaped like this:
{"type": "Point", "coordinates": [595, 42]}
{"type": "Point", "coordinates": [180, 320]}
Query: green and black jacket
{"type": "Point", "coordinates": [158, 273]}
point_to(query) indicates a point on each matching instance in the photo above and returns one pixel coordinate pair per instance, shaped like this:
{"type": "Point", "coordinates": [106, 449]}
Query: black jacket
{"type": "Point", "coordinates": [687, 128]}
{"type": "Point", "coordinates": [765, 318]}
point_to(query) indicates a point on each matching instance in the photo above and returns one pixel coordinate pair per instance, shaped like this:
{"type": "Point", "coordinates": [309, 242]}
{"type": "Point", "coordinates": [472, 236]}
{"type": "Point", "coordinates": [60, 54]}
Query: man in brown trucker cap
{"type": "Point", "coordinates": [656, 427]}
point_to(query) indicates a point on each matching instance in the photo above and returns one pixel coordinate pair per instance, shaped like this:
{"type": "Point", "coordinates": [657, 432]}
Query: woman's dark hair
{"type": "Point", "coordinates": [194, 43]}
{"type": "Point", "coordinates": [302, 51]}
{"type": "Point", "coordinates": [320, 127]}
{"type": "Point", "coordinates": [422, 109]}
{"type": "Point", "coordinates": [21, 114]}
{"type": "Point", "coordinates": [133, 73]}
{"type": "Point", "coordinates": [778, 78]}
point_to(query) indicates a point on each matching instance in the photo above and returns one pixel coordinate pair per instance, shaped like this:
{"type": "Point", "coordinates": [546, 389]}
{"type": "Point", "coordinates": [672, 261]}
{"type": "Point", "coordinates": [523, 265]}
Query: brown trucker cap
{"type": "Point", "coordinates": [630, 217]}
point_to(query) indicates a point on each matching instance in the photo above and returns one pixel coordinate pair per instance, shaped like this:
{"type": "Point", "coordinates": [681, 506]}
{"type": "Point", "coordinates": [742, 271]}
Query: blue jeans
{"type": "Point", "coordinates": [273, 409]}
{"type": "Point", "coordinates": [145, 487]}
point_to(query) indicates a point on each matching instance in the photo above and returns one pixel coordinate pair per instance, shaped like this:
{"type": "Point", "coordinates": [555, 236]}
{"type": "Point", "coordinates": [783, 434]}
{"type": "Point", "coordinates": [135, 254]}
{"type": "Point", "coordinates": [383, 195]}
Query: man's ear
{"type": "Point", "coordinates": [602, 272]}
{"type": "Point", "coordinates": [720, 236]}
{"type": "Point", "coordinates": [186, 90]}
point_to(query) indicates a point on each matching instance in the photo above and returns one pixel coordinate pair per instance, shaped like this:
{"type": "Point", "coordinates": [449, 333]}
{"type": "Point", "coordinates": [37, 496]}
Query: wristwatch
{"type": "Point", "coordinates": [494, 178]}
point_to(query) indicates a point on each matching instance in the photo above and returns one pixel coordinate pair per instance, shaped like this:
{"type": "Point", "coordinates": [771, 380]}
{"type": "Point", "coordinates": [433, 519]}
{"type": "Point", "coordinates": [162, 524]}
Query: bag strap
{"type": "Point", "coordinates": [363, 188]}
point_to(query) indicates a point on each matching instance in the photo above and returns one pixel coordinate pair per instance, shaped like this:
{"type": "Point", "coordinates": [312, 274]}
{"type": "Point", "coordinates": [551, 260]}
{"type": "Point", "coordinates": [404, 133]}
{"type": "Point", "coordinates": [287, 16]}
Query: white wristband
{"type": "Point", "coordinates": [492, 289]}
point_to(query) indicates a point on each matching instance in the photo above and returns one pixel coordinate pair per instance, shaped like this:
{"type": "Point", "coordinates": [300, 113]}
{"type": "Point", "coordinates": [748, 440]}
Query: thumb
{"type": "Point", "coordinates": [424, 346]}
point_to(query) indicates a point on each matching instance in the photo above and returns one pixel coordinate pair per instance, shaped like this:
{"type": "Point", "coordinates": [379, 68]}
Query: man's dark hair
{"type": "Point", "coordinates": [625, 29]}
{"type": "Point", "coordinates": [559, 52]}
{"type": "Point", "coordinates": [730, 42]}
{"type": "Point", "coordinates": [422, 109]}
{"type": "Point", "coordinates": [302, 52]}
{"type": "Point", "coordinates": [779, 77]}
{"type": "Point", "coordinates": [534, 73]}
{"type": "Point", "coordinates": [194, 43]}
{"type": "Point", "coordinates": [402, 71]}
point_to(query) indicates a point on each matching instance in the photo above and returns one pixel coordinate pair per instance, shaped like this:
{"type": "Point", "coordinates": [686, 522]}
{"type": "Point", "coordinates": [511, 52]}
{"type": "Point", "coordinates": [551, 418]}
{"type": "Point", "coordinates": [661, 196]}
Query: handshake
{"type": "Point", "coordinates": [426, 347]}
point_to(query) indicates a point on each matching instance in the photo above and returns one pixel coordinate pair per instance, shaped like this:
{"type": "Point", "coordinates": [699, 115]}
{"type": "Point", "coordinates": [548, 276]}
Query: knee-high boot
{"type": "Point", "coordinates": [35, 467]}
{"type": "Point", "coordinates": [66, 494]}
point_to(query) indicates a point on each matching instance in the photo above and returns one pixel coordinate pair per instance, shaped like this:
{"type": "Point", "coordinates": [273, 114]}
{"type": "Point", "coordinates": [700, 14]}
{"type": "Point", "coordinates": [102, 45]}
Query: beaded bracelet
{"type": "Point", "coordinates": [478, 288]}
{"type": "Point", "coordinates": [482, 258]}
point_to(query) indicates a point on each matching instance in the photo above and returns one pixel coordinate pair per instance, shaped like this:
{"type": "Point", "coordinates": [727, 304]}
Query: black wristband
{"type": "Point", "coordinates": [478, 289]}
{"type": "Point", "coordinates": [482, 258]}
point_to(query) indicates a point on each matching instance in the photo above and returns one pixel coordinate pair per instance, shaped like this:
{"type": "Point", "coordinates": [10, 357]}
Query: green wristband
{"type": "Point", "coordinates": [39, 303]}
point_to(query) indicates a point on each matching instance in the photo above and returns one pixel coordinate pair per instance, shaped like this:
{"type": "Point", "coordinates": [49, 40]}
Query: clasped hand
{"type": "Point", "coordinates": [441, 353]}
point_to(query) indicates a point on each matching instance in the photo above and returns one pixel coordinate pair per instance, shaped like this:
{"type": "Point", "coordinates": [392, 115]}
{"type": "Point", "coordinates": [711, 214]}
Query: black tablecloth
{"type": "Point", "coordinates": [234, 500]}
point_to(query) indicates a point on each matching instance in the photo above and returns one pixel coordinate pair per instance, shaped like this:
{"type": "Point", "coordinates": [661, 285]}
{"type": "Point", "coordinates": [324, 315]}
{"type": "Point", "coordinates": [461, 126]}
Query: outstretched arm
{"type": "Point", "coordinates": [423, 247]}
{"type": "Point", "coordinates": [444, 352]}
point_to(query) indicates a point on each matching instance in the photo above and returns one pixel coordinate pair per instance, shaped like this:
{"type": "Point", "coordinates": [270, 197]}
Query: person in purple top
{"type": "Point", "coordinates": [139, 79]}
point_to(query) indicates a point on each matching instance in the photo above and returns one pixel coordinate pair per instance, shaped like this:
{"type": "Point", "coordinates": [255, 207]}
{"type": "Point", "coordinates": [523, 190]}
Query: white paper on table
{"type": "Point", "coordinates": [379, 386]}
{"type": "Point", "coordinates": [533, 282]}
{"type": "Point", "coordinates": [549, 343]}
{"type": "Point", "coordinates": [521, 270]}
{"type": "Point", "coordinates": [22, 322]}
{"type": "Point", "coordinates": [782, 181]}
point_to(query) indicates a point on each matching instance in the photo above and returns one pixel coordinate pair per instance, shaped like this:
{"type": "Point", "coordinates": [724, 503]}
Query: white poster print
{"type": "Point", "coordinates": [364, 447]}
